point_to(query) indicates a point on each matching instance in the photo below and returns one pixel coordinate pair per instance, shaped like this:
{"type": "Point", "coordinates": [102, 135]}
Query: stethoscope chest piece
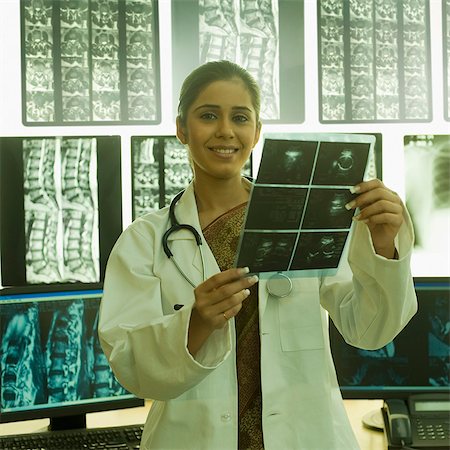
{"type": "Point", "coordinates": [279, 285]}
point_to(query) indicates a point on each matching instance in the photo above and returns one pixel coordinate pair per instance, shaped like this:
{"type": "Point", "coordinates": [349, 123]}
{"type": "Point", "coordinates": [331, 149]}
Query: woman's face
{"type": "Point", "coordinates": [221, 129]}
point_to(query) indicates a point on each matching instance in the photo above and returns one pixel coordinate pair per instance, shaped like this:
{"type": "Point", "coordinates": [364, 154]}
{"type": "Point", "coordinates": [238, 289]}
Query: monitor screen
{"type": "Point", "coordinates": [52, 365]}
{"type": "Point", "coordinates": [416, 361]}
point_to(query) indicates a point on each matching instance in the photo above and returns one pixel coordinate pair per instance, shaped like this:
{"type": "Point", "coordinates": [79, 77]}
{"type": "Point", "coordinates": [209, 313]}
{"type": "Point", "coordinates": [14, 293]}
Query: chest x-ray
{"type": "Point", "coordinates": [427, 175]}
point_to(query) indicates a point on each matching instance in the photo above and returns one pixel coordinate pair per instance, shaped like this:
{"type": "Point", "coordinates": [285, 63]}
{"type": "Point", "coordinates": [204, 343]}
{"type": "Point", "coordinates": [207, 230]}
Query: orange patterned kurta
{"type": "Point", "coordinates": [222, 236]}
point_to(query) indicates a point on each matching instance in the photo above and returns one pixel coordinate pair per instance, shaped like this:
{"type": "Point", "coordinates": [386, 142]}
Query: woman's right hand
{"type": "Point", "coordinates": [217, 300]}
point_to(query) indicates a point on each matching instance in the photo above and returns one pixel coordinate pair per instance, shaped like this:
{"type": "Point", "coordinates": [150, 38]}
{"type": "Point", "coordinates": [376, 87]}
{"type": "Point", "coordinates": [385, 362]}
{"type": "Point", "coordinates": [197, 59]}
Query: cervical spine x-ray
{"type": "Point", "coordinates": [61, 210]}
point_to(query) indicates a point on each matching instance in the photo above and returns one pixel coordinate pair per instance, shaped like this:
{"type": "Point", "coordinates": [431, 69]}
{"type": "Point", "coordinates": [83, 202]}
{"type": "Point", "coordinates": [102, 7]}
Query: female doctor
{"type": "Point", "coordinates": [227, 364]}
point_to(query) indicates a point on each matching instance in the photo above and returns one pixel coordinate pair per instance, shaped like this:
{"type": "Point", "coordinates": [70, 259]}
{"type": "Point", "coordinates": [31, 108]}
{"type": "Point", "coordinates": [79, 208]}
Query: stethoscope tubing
{"type": "Point", "coordinates": [278, 285]}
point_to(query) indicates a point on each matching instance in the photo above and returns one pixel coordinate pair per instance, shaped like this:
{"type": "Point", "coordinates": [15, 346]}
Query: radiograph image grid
{"type": "Point", "coordinates": [50, 353]}
{"type": "Point", "coordinates": [376, 67]}
{"type": "Point", "coordinates": [247, 33]}
{"type": "Point", "coordinates": [88, 86]}
{"type": "Point", "coordinates": [427, 182]}
{"type": "Point", "coordinates": [61, 210]}
{"type": "Point", "coordinates": [309, 200]}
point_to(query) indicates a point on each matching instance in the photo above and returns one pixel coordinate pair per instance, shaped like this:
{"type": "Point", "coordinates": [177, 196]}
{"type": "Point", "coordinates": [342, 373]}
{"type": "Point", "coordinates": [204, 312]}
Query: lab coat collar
{"type": "Point", "coordinates": [186, 212]}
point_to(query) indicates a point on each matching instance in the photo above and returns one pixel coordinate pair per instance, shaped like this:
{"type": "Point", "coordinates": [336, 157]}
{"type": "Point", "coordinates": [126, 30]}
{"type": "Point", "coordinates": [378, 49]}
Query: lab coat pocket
{"type": "Point", "coordinates": [302, 338]}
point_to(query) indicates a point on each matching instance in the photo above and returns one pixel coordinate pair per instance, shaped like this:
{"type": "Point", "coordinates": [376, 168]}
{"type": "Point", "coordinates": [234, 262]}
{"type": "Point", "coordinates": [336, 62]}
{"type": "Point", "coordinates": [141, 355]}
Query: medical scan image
{"type": "Point", "coordinates": [423, 345]}
{"type": "Point", "coordinates": [427, 183]}
{"type": "Point", "coordinates": [266, 252]}
{"type": "Point", "coordinates": [50, 354]}
{"type": "Point", "coordinates": [379, 70]}
{"type": "Point", "coordinates": [310, 203]}
{"type": "Point", "coordinates": [287, 162]}
{"type": "Point", "coordinates": [248, 33]}
{"type": "Point", "coordinates": [61, 210]}
{"type": "Point", "coordinates": [161, 169]}
{"type": "Point", "coordinates": [279, 209]}
{"type": "Point", "coordinates": [73, 70]}
{"type": "Point", "coordinates": [316, 250]}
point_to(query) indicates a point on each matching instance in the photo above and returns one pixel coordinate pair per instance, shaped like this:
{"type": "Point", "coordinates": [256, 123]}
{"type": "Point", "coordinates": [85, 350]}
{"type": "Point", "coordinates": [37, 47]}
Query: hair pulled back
{"type": "Point", "coordinates": [210, 72]}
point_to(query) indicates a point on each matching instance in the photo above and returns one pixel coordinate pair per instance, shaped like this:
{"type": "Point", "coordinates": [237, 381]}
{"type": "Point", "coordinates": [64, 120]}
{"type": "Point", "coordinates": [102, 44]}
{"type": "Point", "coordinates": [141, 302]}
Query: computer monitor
{"type": "Point", "coordinates": [51, 362]}
{"type": "Point", "coordinates": [416, 361]}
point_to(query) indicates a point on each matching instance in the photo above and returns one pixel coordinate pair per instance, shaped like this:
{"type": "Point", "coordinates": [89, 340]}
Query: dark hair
{"type": "Point", "coordinates": [212, 71]}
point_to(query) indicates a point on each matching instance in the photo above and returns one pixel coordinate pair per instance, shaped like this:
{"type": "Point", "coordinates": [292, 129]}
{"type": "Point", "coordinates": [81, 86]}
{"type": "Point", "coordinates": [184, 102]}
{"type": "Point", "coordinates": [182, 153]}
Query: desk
{"type": "Point", "coordinates": [356, 409]}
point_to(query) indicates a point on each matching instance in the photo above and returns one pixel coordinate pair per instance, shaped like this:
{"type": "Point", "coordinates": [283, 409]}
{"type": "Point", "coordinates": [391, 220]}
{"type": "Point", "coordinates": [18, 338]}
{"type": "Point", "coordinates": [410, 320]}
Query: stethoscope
{"type": "Point", "coordinates": [279, 285]}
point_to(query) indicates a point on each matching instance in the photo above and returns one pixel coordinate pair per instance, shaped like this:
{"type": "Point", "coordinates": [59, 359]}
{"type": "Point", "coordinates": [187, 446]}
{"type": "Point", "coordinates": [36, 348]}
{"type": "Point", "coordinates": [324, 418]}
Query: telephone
{"type": "Point", "coordinates": [423, 421]}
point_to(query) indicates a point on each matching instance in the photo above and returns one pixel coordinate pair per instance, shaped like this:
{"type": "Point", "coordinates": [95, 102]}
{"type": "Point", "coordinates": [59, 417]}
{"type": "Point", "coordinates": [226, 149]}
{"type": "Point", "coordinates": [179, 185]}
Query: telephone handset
{"type": "Point", "coordinates": [421, 422]}
{"type": "Point", "coordinates": [399, 424]}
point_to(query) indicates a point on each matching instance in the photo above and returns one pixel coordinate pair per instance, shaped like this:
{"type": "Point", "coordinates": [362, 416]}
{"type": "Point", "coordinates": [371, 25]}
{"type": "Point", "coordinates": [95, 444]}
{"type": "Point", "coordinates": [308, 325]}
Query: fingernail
{"type": "Point", "coordinates": [253, 278]}
{"type": "Point", "coordinates": [350, 205]}
{"type": "Point", "coordinates": [244, 270]}
{"type": "Point", "coordinates": [246, 292]}
{"type": "Point", "coordinates": [355, 189]}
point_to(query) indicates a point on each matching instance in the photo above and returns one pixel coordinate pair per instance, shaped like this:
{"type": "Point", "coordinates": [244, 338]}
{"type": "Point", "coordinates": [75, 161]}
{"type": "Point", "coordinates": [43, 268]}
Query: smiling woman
{"type": "Point", "coordinates": [220, 130]}
{"type": "Point", "coordinates": [246, 371]}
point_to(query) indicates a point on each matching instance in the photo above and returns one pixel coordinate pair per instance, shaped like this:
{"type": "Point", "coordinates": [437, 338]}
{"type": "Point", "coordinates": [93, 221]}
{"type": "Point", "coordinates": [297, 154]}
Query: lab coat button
{"type": "Point", "coordinates": [226, 417]}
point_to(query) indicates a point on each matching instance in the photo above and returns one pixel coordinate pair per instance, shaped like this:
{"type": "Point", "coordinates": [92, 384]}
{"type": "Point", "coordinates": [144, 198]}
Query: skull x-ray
{"type": "Point", "coordinates": [377, 66]}
{"type": "Point", "coordinates": [82, 71]}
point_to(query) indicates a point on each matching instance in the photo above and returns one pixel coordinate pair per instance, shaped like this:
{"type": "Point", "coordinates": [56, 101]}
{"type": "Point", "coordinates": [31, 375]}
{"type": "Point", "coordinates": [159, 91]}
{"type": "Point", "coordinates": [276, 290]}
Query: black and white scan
{"type": "Point", "coordinates": [61, 210]}
{"type": "Point", "coordinates": [266, 252]}
{"type": "Point", "coordinates": [246, 32]}
{"type": "Point", "coordinates": [99, 77]}
{"type": "Point", "coordinates": [303, 187]}
{"type": "Point", "coordinates": [427, 183]}
{"type": "Point", "coordinates": [287, 162]}
{"type": "Point", "coordinates": [379, 70]}
{"type": "Point", "coordinates": [161, 169]}
{"type": "Point", "coordinates": [50, 354]}
{"type": "Point", "coordinates": [278, 209]}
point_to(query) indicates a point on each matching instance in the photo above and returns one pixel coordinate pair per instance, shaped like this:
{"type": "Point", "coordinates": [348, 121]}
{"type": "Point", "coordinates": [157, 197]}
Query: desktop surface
{"type": "Point", "coordinates": [356, 409]}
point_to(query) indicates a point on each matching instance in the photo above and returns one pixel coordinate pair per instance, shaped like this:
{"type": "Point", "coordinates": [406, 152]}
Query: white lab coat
{"type": "Point", "coordinates": [195, 403]}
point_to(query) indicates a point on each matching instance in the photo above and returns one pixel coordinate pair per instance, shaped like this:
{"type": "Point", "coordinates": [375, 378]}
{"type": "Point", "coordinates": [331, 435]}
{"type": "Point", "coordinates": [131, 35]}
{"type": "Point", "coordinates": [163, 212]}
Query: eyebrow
{"type": "Point", "coordinates": [238, 108]}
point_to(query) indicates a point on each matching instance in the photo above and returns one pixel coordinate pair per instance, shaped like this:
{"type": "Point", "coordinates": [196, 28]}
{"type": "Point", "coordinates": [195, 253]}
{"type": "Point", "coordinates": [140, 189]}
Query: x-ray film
{"type": "Point", "coordinates": [374, 61]}
{"type": "Point", "coordinates": [90, 61]}
{"type": "Point", "coordinates": [296, 219]}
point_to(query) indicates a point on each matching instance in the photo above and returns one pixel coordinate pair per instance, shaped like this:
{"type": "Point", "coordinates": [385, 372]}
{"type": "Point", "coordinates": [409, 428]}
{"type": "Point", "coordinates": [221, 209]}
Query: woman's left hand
{"type": "Point", "coordinates": [382, 210]}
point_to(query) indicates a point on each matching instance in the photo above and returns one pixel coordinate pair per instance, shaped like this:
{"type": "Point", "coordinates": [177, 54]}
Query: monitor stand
{"type": "Point", "coordinates": [373, 420]}
{"type": "Point", "coordinates": [67, 422]}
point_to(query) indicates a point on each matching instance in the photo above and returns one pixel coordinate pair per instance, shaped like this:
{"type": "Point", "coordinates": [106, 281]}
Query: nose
{"type": "Point", "coordinates": [225, 128]}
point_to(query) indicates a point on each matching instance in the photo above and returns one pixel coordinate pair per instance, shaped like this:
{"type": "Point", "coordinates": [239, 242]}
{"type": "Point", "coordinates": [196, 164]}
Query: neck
{"type": "Point", "coordinates": [219, 196]}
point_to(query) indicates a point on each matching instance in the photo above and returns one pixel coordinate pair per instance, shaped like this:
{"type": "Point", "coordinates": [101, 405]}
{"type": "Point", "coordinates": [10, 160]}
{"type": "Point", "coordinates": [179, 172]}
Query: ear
{"type": "Point", "coordinates": [181, 133]}
{"type": "Point", "coordinates": [257, 133]}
